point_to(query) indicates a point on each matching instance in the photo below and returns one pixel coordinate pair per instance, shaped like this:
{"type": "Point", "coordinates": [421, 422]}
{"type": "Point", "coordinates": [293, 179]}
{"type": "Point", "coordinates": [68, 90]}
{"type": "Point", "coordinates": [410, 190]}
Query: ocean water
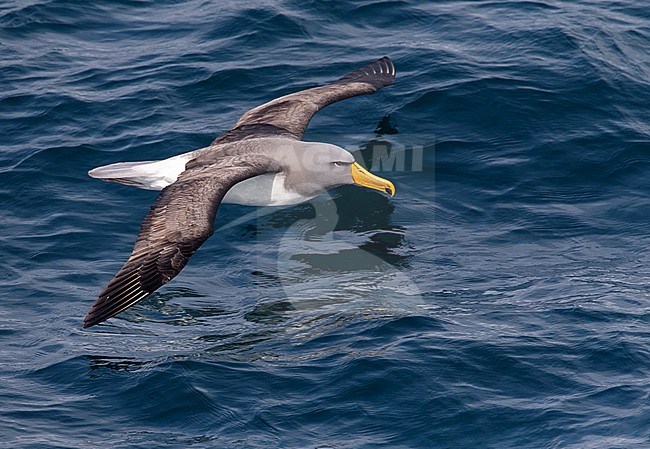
{"type": "Point", "coordinates": [499, 300]}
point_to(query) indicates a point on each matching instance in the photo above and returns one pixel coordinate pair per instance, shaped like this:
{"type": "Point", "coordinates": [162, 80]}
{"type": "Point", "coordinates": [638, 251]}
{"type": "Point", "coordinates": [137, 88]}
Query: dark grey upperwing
{"type": "Point", "coordinates": [181, 219]}
{"type": "Point", "coordinates": [289, 116]}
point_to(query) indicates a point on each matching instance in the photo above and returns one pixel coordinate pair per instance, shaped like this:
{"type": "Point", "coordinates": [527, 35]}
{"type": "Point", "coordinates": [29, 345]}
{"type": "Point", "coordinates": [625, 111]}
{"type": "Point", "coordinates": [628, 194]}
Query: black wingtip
{"type": "Point", "coordinates": [92, 319]}
{"type": "Point", "coordinates": [97, 316]}
{"type": "Point", "coordinates": [379, 73]}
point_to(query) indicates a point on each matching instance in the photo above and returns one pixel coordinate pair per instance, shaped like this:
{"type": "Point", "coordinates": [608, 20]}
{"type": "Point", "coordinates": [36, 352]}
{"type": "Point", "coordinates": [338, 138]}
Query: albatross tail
{"type": "Point", "coordinates": [149, 175]}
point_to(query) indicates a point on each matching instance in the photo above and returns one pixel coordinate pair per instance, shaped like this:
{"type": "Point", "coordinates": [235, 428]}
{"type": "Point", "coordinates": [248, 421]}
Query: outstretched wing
{"type": "Point", "coordinates": [181, 219]}
{"type": "Point", "coordinates": [289, 116]}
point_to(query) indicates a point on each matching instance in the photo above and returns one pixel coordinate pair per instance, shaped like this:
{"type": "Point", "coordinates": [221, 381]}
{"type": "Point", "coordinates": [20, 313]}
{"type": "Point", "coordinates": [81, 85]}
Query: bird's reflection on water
{"type": "Point", "coordinates": [121, 364]}
{"type": "Point", "coordinates": [350, 252]}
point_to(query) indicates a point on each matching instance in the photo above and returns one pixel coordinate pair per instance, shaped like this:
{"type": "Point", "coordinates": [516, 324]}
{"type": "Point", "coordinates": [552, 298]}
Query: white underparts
{"type": "Point", "coordinates": [263, 190]}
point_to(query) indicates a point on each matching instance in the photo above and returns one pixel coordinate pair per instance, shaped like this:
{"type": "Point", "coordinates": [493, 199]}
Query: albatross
{"type": "Point", "coordinates": [261, 161]}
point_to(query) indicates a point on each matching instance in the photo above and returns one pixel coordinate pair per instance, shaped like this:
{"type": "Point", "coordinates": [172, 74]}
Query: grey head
{"type": "Point", "coordinates": [313, 167]}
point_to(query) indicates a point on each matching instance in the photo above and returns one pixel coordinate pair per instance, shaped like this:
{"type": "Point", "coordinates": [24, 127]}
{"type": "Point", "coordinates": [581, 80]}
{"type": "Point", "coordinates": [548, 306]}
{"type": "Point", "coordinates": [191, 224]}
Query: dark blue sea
{"type": "Point", "coordinates": [501, 299]}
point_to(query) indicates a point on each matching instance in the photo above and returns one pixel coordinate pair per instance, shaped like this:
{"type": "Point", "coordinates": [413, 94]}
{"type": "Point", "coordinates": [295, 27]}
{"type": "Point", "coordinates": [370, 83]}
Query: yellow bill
{"type": "Point", "coordinates": [363, 177]}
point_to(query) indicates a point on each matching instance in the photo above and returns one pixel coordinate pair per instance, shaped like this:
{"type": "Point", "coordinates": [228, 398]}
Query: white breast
{"type": "Point", "coordinates": [263, 190]}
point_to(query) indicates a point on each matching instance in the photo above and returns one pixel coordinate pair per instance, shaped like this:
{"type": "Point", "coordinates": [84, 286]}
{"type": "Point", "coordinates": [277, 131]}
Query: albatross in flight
{"type": "Point", "coordinates": [262, 161]}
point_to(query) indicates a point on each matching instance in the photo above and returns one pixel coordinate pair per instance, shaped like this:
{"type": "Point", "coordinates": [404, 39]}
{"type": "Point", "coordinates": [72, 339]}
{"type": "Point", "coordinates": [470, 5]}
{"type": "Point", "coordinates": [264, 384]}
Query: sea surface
{"type": "Point", "coordinates": [501, 299]}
